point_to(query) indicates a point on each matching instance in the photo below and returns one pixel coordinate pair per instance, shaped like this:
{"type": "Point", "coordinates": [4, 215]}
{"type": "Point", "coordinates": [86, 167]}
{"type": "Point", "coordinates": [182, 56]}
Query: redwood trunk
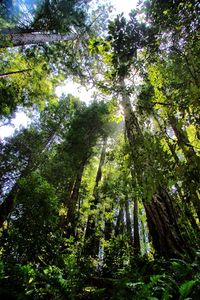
{"type": "Point", "coordinates": [72, 204]}
{"type": "Point", "coordinates": [119, 228]}
{"type": "Point", "coordinates": [161, 219]}
{"type": "Point", "coordinates": [182, 139]}
{"type": "Point", "coordinates": [166, 237]}
{"type": "Point", "coordinates": [128, 221]}
{"type": "Point", "coordinates": [91, 234]}
{"type": "Point", "coordinates": [136, 245]}
{"type": "Point", "coordinates": [194, 199]}
{"type": "Point", "coordinates": [193, 162]}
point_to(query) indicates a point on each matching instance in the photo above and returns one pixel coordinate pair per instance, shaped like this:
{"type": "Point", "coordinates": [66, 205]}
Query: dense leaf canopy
{"type": "Point", "coordinates": [100, 200]}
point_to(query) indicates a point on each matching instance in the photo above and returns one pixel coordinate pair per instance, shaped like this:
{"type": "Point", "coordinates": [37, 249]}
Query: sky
{"type": "Point", "coordinates": [124, 6]}
{"type": "Point", "coordinates": [21, 119]}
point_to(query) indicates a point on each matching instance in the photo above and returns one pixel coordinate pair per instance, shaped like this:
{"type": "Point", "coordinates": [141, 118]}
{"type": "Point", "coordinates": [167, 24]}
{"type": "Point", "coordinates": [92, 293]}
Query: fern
{"type": "Point", "coordinates": [186, 288]}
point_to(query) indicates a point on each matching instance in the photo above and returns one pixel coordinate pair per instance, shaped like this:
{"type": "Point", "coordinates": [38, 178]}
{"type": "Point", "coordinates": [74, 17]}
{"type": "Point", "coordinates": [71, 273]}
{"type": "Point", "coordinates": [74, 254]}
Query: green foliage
{"type": "Point", "coordinates": [69, 13]}
{"type": "Point", "coordinates": [34, 85]}
{"type": "Point", "coordinates": [42, 282]}
{"type": "Point", "coordinates": [41, 16]}
{"type": "Point", "coordinates": [68, 217]}
{"type": "Point", "coordinates": [34, 221]}
{"type": "Point", "coordinates": [58, 282]}
{"type": "Point", "coordinates": [186, 288]}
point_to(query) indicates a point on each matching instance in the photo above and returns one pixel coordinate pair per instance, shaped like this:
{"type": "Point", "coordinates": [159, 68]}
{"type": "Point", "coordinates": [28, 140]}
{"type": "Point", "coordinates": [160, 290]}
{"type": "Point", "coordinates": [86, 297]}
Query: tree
{"type": "Point", "coordinates": [29, 149]}
{"type": "Point", "coordinates": [91, 233]}
{"type": "Point", "coordinates": [35, 85]}
{"type": "Point", "coordinates": [43, 25]}
{"type": "Point", "coordinates": [121, 34]}
{"type": "Point", "coordinates": [86, 129]}
{"type": "Point", "coordinates": [34, 218]}
{"type": "Point", "coordinates": [49, 63]}
{"type": "Point", "coordinates": [101, 200]}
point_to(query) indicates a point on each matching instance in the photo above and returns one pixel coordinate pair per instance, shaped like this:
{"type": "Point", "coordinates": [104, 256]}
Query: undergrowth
{"type": "Point", "coordinates": [73, 278]}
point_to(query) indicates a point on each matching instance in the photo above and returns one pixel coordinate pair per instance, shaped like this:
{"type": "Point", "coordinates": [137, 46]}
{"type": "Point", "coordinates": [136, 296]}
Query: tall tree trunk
{"type": "Point", "coordinates": [72, 203]}
{"type": "Point", "coordinates": [182, 139]}
{"type": "Point", "coordinates": [193, 162]}
{"type": "Point", "coordinates": [171, 147]}
{"type": "Point", "coordinates": [144, 237]}
{"type": "Point", "coordinates": [136, 244]}
{"type": "Point", "coordinates": [166, 236]}
{"type": "Point", "coordinates": [161, 219]}
{"type": "Point", "coordinates": [23, 39]}
{"type": "Point", "coordinates": [108, 227]}
{"type": "Point", "coordinates": [119, 227]}
{"type": "Point", "coordinates": [107, 256]}
{"type": "Point", "coordinates": [91, 236]}
{"type": "Point", "coordinates": [187, 204]}
{"type": "Point", "coordinates": [128, 220]}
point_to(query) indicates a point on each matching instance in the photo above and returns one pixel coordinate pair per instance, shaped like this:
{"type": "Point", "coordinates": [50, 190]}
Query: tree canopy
{"type": "Point", "coordinates": [100, 200]}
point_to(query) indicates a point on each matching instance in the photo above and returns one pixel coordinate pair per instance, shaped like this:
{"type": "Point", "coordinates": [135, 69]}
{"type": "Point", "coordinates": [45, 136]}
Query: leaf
{"type": "Point", "coordinates": [135, 285]}
{"type": "Point", "coordinates": [155, 278]}
{"type": "Point", "coordinates": [30, 280]}
{"type": "Point", "coordinates": [186, 288]}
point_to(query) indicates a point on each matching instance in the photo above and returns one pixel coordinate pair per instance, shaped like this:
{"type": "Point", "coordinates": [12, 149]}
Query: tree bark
{"type": "Point", "coordinates": [166, 237]}
{"type": "Point", "coordinates": [171, 147]}
{"type": "Point", "coordinates": [91, 236]}
{"type": "Point", "coordinates": [182, 139]}
{"type": "Point", "coordinates": [144, 237]}
{"type": "Point", "coordinates": [128, 221]}
{"type": "Point", "coordinates": [193, 162]}
{"type": "Point", "coordinates": [136, 245]}
{"type": "Point", "coordinates": [119, 228]}
{"type": "Point", "coordinates": [34, 38]}
{"type": "Point", "coordinates": [161, 219]}
{"type": "Point", "coordinates": [177, 161]}
{"type": "Point", "coordinates": [72, 203]}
